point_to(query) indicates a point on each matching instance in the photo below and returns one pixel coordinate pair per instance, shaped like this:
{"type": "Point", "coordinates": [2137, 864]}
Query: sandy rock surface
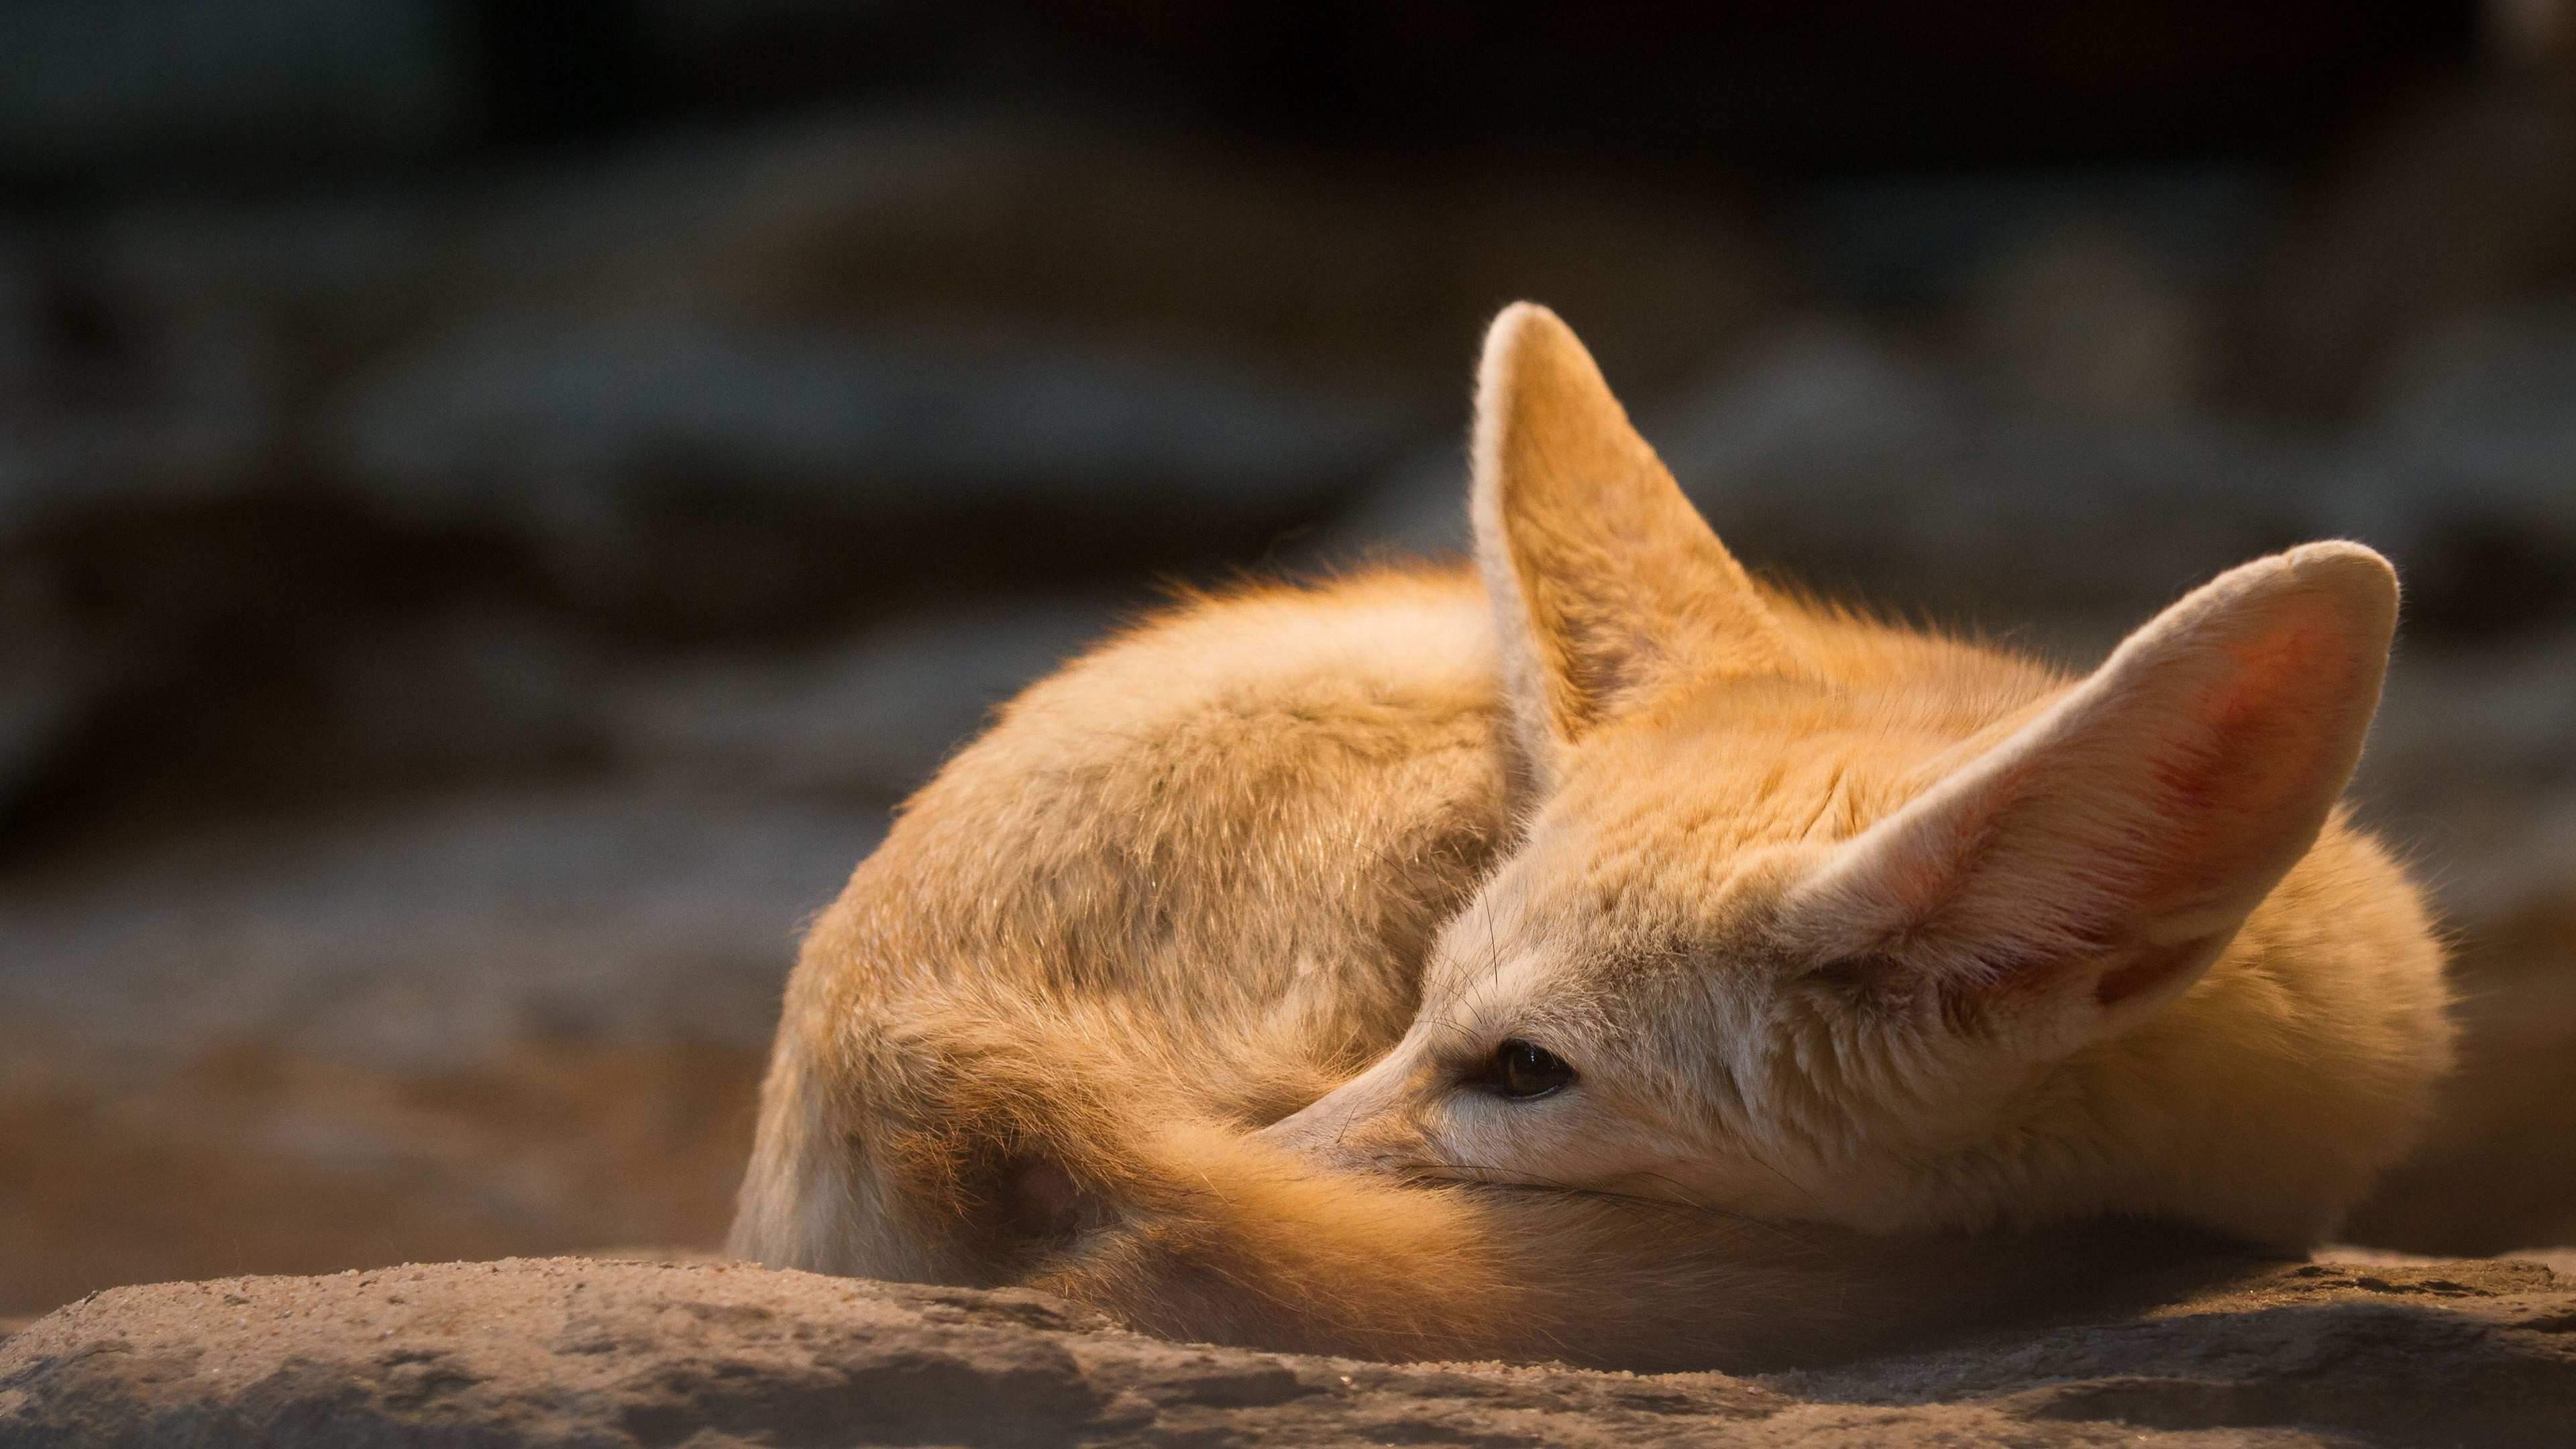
{"type": "Point", "coordinates": [609, 1352]}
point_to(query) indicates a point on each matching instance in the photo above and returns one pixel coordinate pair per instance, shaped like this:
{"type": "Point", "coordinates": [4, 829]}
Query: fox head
{"type": "Point", "coordinates": [1809, 913]}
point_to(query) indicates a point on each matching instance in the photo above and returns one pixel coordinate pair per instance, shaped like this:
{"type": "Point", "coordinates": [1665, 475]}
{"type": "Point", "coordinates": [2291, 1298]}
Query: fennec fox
{"type": "Point", "coordinates": [1611, 958]}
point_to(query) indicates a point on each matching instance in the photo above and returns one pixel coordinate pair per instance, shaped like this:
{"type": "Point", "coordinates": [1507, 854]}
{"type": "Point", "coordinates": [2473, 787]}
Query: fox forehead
{"type": "Point", "coordinates": [1677, 796]}
{"type": "Point", "coordinates": [1674, 824]}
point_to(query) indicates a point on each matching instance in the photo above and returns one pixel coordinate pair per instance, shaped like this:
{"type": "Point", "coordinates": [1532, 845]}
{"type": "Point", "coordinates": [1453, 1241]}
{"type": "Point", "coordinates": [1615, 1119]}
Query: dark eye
{"type": "Point", "coordinates": [1526, 1069]}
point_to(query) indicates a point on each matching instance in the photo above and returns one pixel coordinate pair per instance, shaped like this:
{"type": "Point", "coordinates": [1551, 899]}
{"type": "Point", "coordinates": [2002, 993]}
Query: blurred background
{"type": "Point", "coordinates": [499, 497]}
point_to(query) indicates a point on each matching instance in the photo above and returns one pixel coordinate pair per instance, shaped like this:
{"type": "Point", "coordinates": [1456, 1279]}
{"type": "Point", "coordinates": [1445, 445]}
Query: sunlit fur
{"type": "Point", "coordinates": [1882, 958]}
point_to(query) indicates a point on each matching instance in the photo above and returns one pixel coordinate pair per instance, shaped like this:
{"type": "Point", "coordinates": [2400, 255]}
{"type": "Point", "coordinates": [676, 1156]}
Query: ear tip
{"type": "Point", "coordinates": [2340, 595]}
{"type": "Point", "coordinates": [1519, 330]}
{"type": "Point", "coordinates": [2357, 571]}
{"type": "Point", "coordinates": [1510, 322]}
{"type": "Point", "coordinates": [2342, 556]}
{"type": "Point", "coordinates": [1536, 374]}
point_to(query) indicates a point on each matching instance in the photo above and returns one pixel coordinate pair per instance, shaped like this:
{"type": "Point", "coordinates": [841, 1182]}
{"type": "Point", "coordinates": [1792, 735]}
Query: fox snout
{"type": "Point", "coordinates": [1316, 1136]}
{"type": "Point", "coordinates": [1360, 1126]}
{"type": "Point", "coordinates": [1403, 1117]}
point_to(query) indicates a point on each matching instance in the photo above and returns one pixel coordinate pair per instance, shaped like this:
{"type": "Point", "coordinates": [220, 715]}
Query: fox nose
{"type": "Point", "coordinates": [1318, 1134]}
{"type": "Point", "coordinates": [1360, 1126]}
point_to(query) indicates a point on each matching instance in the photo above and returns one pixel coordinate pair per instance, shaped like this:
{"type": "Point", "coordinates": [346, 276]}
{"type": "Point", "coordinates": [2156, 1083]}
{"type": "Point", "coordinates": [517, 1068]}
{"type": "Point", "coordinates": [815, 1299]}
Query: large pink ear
{"type": "Point", "coordinates": [2075, 877]}
{"type": "Point", "coordinates": [1605, 580]}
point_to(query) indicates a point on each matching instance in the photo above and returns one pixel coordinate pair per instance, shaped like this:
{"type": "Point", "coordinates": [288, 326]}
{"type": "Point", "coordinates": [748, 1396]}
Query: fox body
{"type": "Point", "coordinates": [1601, 955]}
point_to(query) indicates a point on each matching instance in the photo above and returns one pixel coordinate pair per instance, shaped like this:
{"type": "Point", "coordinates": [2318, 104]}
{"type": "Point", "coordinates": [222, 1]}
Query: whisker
{"type": "Point", "coordinates": [1515, 1180]}
{"type": "Point", "coordinates": [1454, 1026]}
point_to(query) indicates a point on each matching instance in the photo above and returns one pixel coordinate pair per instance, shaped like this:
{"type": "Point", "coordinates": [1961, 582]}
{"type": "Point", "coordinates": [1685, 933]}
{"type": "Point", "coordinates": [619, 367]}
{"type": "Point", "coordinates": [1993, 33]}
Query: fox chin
{"type": "Point", "coordinates": [1600, 954]}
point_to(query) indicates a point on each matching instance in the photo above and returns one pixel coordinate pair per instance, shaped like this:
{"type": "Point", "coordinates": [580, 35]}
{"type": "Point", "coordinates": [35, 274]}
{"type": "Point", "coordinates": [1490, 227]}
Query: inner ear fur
{"type": "Point", "coordinates": [2105, 853]}
{"type": "Point", "coordinates": [1605, 581]}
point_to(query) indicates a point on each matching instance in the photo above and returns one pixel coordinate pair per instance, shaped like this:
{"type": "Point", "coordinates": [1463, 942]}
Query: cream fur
{"type": "Point", "coordinates": [1179, 990]}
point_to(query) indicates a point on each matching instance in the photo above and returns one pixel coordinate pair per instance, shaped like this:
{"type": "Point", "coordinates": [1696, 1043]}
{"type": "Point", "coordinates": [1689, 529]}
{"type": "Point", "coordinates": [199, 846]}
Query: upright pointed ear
{"type": "Point", "coordinates": [1605, 580]}
{"type": "Point", "coordinates": [2071, 880]}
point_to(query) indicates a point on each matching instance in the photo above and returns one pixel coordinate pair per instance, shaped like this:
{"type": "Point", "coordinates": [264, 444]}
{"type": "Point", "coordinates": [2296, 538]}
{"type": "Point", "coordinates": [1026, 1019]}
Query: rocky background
{"type": "Point", "coordinates": [497, 501]}
{"type": "Point", "coordinates": [588, 1351]}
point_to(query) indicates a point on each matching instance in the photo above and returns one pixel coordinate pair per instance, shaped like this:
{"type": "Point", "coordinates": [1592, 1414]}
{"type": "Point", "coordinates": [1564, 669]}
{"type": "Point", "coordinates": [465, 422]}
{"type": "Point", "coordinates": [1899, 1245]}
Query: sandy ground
{"type": "Point", "coordinates": [476, 1027]}
{"type": "Point", "coordinates": [583, 1350]}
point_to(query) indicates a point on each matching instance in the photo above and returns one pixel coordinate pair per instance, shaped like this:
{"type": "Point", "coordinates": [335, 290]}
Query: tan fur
{"type": "Point", "coordinates": [1892, 968]}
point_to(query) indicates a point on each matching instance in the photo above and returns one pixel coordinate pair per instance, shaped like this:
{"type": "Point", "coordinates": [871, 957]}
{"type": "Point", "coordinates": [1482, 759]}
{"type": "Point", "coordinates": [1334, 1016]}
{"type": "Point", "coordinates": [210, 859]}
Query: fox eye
{"type": "Point", "coordinates": [1525, 1069]}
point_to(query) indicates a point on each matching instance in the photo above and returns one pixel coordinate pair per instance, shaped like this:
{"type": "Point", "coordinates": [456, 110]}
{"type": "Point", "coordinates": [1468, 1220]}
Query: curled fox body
{"type": "Point", "coordinates": [1604, 956]}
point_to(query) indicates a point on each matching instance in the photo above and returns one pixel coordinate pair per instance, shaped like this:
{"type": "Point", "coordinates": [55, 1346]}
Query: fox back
{"type": "Point", "coordinates": [1606, 956]}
